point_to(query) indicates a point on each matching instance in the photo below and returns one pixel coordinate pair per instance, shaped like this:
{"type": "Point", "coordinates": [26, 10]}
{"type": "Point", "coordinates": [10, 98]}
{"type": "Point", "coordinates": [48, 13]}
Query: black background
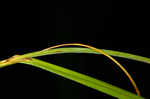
{"type": "Point", "coordinates": [30, 26]}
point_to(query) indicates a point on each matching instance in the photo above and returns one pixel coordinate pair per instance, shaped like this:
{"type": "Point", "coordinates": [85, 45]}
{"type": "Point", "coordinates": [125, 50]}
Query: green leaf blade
{"type": "Point", "coordinates": [84, 80]}
{"type": "Point", "coordinates": [86, 50]}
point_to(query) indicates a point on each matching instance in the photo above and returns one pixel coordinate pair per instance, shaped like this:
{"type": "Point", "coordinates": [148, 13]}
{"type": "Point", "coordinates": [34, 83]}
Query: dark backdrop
{"type": "Point", "coordinates": [30, 26]}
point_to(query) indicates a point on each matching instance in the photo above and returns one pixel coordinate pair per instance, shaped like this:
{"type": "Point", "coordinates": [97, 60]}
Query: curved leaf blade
{"type": "Point", "coordinates": [86, 50]}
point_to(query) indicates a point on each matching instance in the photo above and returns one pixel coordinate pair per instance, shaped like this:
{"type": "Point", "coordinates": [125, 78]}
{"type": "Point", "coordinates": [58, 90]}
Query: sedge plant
{"type": "Point", "coordinates": [88, 81]}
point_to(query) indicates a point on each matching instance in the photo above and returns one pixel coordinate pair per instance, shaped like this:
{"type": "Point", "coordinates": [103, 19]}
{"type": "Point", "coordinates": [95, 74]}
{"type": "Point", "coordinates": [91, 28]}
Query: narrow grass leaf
{"type": "Point", "coordinates": [86, 50]}
{"type": "Point", "coordinates": [84, 79]}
